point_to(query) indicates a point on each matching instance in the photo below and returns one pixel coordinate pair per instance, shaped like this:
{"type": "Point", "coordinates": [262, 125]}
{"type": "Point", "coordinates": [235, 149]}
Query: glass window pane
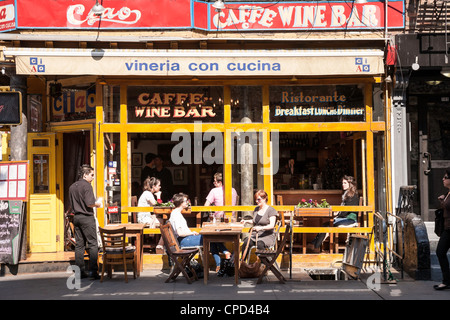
{"type": "Point", "coordinates": [312, 164]}
{"type": "Point", "coordinates": [112, 176]}
{"type": "Point", "coordinates": [247, 167]}
{"type": "Point", "coordinates": [191, 160]}
{"type": "Point", "coordinates": [246, 103]}
{"type": "Point", "coordinates": [41, 174]}
{"type": "Point", "coordinates": [40, 142]}
{"type": "Point", "coordinates": [111, 104]}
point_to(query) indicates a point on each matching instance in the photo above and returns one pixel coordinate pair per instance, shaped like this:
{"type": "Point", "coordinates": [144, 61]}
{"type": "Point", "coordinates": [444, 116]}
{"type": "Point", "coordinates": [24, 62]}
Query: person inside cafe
{"type": "Point", "coordinates": [186, 237]}
{"type": "Point", "coordinates": [350, 197]}
{"type": "Point", "coordinates": [165, 176]}
{"type": "Point", "coordinates": [216, 195]}
{"type": "Point", "coordinates": [149, 167]}
{"type": "Point", "coordinates": [264, 219]}
{"type": "Point", "coordinates": [150, 197]}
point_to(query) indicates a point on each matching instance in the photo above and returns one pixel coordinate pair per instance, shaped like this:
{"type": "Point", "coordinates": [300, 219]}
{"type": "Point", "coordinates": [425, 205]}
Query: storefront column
{"type": "Point", "coordinates": [400, 138]}
{"type": "Point", "coordinates": [18, 143]}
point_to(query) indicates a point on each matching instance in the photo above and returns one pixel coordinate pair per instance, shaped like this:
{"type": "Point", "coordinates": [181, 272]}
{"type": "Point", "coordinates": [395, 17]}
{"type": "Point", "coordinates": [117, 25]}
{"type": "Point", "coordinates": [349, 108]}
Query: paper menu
{"type": "Point", "coordinates": [14, 180]}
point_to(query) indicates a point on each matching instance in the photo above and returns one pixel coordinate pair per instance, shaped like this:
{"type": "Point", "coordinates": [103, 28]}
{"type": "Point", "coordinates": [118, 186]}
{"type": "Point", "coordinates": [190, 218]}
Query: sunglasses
{"type": "Point", "coordinates": [446, 177]}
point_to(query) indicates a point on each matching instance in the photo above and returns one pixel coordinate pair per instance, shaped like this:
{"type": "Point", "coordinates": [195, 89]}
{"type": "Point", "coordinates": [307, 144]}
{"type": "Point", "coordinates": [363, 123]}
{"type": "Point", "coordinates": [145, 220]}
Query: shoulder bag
{"type": "Point", "coordinates": [250, 270]}
{"type": "Point", "coordinates": [439, 222]}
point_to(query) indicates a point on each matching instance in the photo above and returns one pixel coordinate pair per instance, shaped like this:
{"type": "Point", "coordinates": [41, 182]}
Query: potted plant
{"type": "Point", "coordinates": [313, 208]}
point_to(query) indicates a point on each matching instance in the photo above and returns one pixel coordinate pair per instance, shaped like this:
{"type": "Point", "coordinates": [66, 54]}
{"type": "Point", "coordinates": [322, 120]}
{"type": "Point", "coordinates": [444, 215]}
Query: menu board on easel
{"type": "Point", "coordinates": [13, 193]}
{"type": "Point", "coordinates": [14, 180]}
{"type": "Point", "coordinates": [11, 223]}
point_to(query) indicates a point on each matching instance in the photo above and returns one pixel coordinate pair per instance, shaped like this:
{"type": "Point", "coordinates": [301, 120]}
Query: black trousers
{"type": "Point", "coordinates": [441, 253]}
{"type": "Point", "coordinates": [86, 238]}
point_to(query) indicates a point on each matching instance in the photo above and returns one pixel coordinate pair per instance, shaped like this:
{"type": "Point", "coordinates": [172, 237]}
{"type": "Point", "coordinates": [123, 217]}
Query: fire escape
{"type": "Point", "coordinates": [431, 17]}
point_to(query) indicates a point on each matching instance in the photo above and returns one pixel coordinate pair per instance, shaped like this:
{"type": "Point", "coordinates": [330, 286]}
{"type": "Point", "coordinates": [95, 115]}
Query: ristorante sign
{"type": "Point", "coordinates": [190, 14]}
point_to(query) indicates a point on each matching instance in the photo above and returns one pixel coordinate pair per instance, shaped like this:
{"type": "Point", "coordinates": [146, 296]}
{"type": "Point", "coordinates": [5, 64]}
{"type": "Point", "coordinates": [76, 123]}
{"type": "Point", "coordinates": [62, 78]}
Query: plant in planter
{"type": "Point", "coordinates": [312, 204]}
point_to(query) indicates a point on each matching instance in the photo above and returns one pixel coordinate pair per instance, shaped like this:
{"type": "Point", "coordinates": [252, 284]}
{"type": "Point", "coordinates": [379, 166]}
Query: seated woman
{"type": "Point", "coordinates": [186, 237]}
{"type": "Point", "coordinates": [264, 219]}
{"type": "Point", "coordinates": [350, 197]}
{"type": "Point", "coordinates": [152, 187]}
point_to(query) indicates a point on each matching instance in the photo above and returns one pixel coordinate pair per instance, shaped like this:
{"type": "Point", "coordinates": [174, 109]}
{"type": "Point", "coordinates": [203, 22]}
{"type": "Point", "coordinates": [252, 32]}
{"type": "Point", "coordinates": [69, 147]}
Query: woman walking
{"type": "Point", "coordinates": [444, 240]}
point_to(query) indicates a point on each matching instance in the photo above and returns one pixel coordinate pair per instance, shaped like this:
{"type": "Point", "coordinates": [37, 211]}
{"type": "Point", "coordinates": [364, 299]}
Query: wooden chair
{"type": "Point", "coordinates": [116, 251]}
{"type": "Point", "coordinates": [276, 230]}
{"type": "Point", "coordinates": [180, 257]}
{"type": "Point", "coordinates": [269, 257]}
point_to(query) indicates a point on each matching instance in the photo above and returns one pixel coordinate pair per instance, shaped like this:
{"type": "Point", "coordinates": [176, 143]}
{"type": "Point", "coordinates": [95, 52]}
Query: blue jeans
{"type": "Point", "coordinates": [197, 240]}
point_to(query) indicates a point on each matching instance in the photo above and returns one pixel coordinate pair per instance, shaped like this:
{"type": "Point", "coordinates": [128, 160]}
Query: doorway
{"type": "Point", "coordinates": [429, 112]}
{"type": "Point", "coordinates": [76, 152]}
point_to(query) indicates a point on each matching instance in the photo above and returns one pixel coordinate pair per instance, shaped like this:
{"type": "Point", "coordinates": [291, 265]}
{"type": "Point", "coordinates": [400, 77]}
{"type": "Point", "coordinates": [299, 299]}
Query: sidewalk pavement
{"type": "Point", "coordinates": [151, 286]}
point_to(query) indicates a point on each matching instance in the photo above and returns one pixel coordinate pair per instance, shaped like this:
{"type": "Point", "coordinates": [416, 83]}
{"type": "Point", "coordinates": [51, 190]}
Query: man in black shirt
{"type": "Point", "coordinates": [149, 168]}
{"type": "Point", "coordinates": [82, 201]}
{"type": "Point", "coordinates": [165, 176]}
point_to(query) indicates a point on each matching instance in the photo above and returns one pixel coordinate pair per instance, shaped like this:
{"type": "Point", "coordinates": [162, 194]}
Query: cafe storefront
{"type": "Point", "coordinates": [287, 120]}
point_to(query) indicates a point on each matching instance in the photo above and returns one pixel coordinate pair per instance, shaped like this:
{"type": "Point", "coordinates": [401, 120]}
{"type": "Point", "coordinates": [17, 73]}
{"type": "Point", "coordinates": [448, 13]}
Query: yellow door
{"type": "Point", "coordinates": [42, 209]}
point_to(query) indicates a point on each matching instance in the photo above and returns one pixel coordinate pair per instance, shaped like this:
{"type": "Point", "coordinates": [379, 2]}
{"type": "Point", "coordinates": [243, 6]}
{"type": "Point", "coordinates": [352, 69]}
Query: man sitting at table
{"type": "Point", "coordinates": [186, 237]}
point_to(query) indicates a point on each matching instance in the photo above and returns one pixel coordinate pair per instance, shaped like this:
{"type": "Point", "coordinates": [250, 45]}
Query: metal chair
{"type": "Point", "coordinates": [116, 251]}
{"type": "Point", "coordinates": [180, 257]}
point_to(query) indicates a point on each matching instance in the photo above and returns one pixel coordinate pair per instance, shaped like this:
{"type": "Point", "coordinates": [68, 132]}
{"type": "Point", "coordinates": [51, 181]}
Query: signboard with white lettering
{"type": "Point", "coordinates": [7, 16]}
{"type": "Point", "coordinates": [175, 104]}
{"type": "Point", "coordinates": [316, 103]}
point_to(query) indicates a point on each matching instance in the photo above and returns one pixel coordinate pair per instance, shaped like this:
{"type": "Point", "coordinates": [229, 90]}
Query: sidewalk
{"type": "Point", "coordinates": [151, 286]}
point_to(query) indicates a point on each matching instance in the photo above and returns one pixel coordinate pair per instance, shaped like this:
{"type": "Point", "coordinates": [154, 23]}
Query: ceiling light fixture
{"type": "Point", "coordinates": [445, 71]}
{"type": "Point", "coordinates": [97, 9]}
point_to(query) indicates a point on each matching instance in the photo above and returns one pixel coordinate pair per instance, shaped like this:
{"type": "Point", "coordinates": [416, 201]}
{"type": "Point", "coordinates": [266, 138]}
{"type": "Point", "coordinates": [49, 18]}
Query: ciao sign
{"type": "Point", "coordinates": [175, 104]}
{"type": "Point", "coordinates": [317, 104]}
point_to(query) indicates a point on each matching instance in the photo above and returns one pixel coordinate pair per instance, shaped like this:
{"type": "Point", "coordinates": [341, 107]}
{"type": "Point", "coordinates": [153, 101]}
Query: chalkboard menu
{"type": "Point", "coordinates": [11, 221]}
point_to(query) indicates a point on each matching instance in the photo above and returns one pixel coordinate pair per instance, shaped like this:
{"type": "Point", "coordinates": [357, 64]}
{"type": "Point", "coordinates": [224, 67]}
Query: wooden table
{"type": "Point", "coordinates": [322, 213]}
{"type": "Point", "coordinates": [221, 232]}
{"type": "Point", "coordinates": [133, 230]}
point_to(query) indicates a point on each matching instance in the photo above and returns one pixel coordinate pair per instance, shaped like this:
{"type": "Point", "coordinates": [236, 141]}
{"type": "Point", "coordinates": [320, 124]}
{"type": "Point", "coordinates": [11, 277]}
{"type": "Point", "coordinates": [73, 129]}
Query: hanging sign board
{"type": "Point", "coordinates": [11, 223]}
{"type": "Point", "coordinates": [10, 107]}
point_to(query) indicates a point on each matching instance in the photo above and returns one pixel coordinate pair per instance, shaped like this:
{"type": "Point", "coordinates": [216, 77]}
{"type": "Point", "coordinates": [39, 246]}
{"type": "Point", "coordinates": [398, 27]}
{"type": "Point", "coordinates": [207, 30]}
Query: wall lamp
{"type": "Point", "coordinates": [219, 5]}
{"type": "Point", "coordinates": [97, 9]}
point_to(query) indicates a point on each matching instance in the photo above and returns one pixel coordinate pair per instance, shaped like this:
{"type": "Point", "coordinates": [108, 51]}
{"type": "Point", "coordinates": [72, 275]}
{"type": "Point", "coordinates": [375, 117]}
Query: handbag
{"type": "Point", "coordinates": [249, 270]}
{"type": "Point", "coordinates": [439, 222]}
